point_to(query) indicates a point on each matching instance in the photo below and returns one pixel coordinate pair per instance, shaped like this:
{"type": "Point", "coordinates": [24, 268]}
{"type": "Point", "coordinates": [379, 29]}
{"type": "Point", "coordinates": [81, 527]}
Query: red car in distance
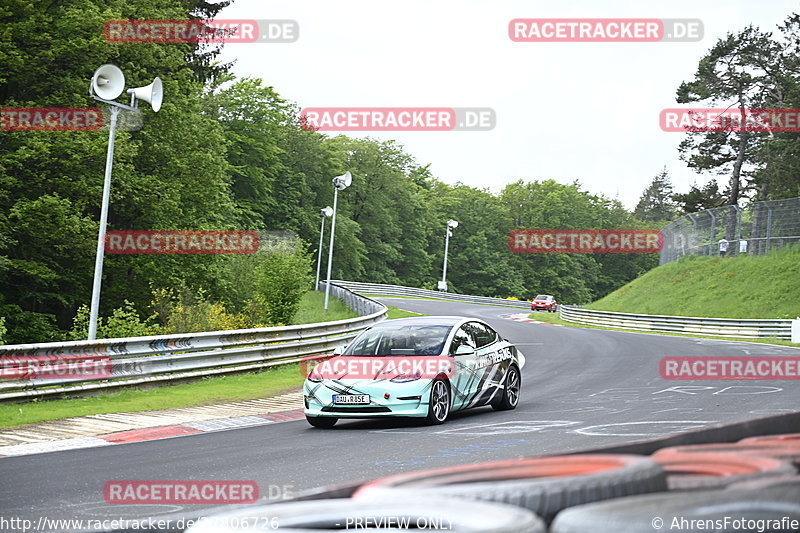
{"type": "Point", "coordinates": [544, 301]}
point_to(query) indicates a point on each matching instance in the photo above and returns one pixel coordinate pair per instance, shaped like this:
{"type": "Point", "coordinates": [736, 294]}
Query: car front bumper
{"type": "Point", "coordinates": [405, 399]}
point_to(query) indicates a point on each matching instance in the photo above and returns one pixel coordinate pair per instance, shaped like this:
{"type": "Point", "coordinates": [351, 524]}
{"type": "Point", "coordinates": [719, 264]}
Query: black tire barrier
{"type": "Point", "coordinates": [412, 514]}
{"type": "Point", "coordinates": [772, 481]}
{"type": "Point", "coordinates": [696, 470]}
{"type": "Point", "coordinates": [792, 439]}
{"type": "Point", "coordinates": [745, 510]}
{"type": "Point", "coordinates": [776, 450]}
{"type": "Point", "coordinates": [544, 485]}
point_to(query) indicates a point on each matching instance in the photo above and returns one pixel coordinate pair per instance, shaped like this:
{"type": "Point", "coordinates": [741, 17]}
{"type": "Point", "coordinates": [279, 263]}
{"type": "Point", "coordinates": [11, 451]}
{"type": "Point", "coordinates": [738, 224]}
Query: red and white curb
{"type": "Point", "coordinates": [523, 317]}
{"type": "Point", "coordinates": [154, 433]}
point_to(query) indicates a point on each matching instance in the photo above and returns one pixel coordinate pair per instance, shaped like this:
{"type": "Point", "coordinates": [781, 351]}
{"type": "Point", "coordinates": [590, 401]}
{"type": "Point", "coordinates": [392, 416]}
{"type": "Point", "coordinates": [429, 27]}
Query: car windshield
{"type": "Point", "coordinates": [542, 297]}
{"type": "Point", "coordinates": [404, 340]}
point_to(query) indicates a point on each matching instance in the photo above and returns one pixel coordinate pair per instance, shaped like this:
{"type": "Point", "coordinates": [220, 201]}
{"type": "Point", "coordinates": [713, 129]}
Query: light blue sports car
{"type": "Point", "coordinates": [422, 367]}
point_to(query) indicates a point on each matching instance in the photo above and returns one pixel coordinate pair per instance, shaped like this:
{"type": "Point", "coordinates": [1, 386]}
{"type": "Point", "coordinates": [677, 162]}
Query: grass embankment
{"type": "Point", "coordinates": [264, 384]}
{"type": "Point", "coordinates": [766, 286]}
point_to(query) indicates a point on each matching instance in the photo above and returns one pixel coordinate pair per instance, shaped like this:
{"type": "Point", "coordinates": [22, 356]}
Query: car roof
{"type": "Point", "coordinates": [424, 321]}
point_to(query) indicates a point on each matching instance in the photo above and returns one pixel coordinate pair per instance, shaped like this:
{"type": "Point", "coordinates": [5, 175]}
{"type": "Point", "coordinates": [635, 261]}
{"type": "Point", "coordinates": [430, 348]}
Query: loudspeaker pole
{"type": "Point", "coordinates": [330, 248]}
{"type": "Point", "coordinates": [107, 84]}
{"type": "Point", "coordinates": [101, 236]}
{"type": "Point", "coordinates": [340, 183]}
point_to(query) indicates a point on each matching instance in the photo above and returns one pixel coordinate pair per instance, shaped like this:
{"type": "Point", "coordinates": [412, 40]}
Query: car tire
{"type": "Point", "coordinates": [319, 516]}
{"type": "Point", "coordinates": [510, 397]}
{"type": "Point", "coordinates": [324, 422]}
{"type": "Point", "coordinates": [544, 485]}
{"type": "Point", "coordinates": [439, 402]}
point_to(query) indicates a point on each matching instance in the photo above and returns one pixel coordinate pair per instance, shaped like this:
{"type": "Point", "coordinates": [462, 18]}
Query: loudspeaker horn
{"type": "Point", "coordinates": [342, 182]}
{"type": "Point", "coordinates": [108, 82]}
{"type": "Point", "coordinates": [153, 93]}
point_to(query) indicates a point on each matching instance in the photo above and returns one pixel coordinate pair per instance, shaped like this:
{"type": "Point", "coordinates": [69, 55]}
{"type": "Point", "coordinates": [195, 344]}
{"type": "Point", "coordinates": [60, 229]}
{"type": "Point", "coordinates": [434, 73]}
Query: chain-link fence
{"type": "Point", "coordinates": [732, 230]}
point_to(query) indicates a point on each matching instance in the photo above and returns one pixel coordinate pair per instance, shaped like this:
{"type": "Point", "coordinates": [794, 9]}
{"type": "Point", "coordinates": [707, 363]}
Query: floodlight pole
{"type": "Point", "coordinates": [330, 248]}
{"type": "Point", "coordinates": [451, 224]}
{"type": "Point", "coordinates": [325, 213]}
{"type": "Point", "coordinates": [101, 236]}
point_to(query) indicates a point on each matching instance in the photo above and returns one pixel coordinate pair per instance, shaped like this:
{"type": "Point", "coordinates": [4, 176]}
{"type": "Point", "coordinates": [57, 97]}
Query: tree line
{"type": "Point", "coordinates": [232, 153]}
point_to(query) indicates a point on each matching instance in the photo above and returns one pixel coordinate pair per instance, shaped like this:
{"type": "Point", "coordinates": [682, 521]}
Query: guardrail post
{"type": "Point", "coordinates": [796, 330]}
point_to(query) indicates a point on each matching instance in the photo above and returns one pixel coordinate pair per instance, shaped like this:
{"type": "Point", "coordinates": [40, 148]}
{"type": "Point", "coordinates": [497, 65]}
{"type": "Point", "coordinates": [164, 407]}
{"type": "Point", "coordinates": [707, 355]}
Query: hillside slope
{"type": "Point", "coordinates": [735, 287]}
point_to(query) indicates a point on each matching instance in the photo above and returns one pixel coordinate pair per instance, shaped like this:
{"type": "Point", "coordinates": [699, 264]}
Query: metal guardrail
{"type": "Point", "coordinates": [718, 327]}
{"type": "Point", "coordinates": [399, 290]}
{"type": "Point", "coordinates": [163, 358]}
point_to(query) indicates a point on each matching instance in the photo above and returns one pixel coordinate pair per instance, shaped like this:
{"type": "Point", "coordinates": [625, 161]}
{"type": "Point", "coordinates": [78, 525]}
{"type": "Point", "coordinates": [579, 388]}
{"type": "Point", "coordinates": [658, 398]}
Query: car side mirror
{"type": "Point", "coordinates": [339, 350]}
{"type": "Point", "coordinates": [465, 349]}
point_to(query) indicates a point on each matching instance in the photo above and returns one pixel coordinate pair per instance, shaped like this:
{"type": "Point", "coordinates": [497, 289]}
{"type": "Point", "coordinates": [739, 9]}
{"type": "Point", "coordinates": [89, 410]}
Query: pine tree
{"type": "Point", "coordinates": [656, 202]}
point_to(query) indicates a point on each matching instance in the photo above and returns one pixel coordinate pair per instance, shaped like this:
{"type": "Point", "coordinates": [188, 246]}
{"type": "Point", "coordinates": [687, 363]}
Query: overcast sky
{"type": "Point", "coordinates": [566, 111]}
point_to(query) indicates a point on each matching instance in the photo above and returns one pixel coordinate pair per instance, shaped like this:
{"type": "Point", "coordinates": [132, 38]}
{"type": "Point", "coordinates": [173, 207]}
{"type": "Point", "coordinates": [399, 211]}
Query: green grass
{"type": "Point", "coordinates": [556, 319]}
{"type": "Point", "coordinates": [395, 312]}
{"type": "Point", "coordinates": [376, 296]}
{"type": "Point", "coordinates": [766, 286]}
{"type": "Point", "coordinates": [311, 309]}
{"type": "Point", "coordinates": [205, 392]}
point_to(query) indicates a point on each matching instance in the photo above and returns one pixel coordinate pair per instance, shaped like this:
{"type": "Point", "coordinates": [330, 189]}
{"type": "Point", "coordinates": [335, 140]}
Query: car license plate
{"type": "Point", "coordinates": [351, 399]}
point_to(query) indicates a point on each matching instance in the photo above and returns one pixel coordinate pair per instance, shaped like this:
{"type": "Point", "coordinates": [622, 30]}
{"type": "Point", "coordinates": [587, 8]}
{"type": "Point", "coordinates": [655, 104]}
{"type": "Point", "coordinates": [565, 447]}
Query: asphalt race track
{"type": "Point", "coordinates": [580, 388]}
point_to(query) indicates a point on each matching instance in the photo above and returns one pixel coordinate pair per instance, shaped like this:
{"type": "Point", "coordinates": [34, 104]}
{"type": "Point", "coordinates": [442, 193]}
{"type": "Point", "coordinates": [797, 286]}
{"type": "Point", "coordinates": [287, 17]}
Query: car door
{"type": "Point", "coordinates": [463, 383]}
{"type": "Point", "coordinates": [488, 368]}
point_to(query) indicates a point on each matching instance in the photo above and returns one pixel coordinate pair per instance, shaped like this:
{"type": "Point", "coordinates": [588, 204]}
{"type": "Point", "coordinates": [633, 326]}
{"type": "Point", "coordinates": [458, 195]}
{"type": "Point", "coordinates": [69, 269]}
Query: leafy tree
{"type": "Point", "coordinates": [169, 175]}
{"type": "Point", "coordinates": [123, 322]}
{"type": "Point", "coordinates": [281, 280]}
{"type": "Point", "coordinates": [778, 157]}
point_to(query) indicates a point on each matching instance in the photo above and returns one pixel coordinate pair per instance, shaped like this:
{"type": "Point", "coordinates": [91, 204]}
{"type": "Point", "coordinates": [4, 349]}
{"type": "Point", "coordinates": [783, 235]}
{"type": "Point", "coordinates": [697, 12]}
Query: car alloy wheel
{"type": "Point", "coordinates": [439, 406]}
{"type": "Point", "coordinates": [512, 386]}
{"type": "Point", "coordinates": [510, 397]}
